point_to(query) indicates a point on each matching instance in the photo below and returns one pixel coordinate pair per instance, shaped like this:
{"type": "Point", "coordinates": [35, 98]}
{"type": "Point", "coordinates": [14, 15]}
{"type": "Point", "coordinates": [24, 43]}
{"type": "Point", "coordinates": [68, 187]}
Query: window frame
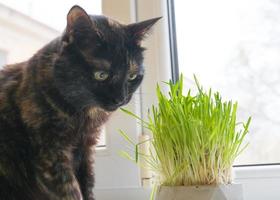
{"type": "Point", "coordinates": [176, 70]}
{"type": "Point", "coordinates": [110, 168]}
{"type": "Point", "coordinates": [251, 175]}
{"type": "Point", "coordinates": [173, 40]}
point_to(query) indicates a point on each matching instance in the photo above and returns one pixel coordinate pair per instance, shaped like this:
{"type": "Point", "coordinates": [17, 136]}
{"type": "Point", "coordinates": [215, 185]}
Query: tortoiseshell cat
{"type": "Point", "coordinates": [51, 106]}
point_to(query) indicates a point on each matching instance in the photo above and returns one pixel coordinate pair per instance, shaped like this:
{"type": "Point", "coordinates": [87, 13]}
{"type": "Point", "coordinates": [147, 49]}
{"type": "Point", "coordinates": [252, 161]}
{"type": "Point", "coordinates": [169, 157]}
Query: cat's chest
{"type": "Point", "coordinates": [88, 122]}
{"type": "Point", "coordinates": [88, 132]}
{"type": "Point", "coordinates": [97, 116]}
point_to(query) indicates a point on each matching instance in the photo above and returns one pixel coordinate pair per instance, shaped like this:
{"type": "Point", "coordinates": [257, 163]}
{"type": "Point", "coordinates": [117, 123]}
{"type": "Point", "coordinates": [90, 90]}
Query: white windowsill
{"type": "Point", "coordinates": [259, 183]}
{"type": "Point", "coordinates": [255, 172]}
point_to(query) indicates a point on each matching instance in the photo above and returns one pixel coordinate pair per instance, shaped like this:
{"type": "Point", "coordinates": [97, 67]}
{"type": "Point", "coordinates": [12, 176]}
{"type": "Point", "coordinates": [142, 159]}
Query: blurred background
{"type": "Point", "coordinates": [27, 25]}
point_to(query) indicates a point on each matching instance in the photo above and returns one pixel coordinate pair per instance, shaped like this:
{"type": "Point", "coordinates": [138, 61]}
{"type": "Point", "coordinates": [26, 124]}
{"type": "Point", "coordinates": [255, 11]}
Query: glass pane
{"type": "Point", "coordinates": [234, 47]}
{"type": "Point", "coordinates": [27, 25]}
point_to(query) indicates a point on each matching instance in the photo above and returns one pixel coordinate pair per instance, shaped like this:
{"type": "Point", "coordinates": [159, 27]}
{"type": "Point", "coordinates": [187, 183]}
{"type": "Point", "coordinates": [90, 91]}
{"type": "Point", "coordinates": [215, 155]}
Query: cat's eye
{"type": "Point", "coordinates": [101, 75]}
{"type": "Point", "coordinates": [132, 77]}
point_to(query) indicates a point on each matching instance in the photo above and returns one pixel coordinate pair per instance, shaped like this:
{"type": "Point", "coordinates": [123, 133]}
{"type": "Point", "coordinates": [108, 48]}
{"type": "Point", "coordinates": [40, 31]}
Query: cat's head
{"type": "Point", "coordinates": [101, 61]}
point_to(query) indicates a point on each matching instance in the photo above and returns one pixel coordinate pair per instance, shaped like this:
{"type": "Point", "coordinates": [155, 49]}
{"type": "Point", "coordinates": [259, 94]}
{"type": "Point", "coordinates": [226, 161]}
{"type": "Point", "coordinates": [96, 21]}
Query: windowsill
{"type": "Point", "coordinates": [256, 172]}
{"type": "Point", "coordinates": [259, 183]}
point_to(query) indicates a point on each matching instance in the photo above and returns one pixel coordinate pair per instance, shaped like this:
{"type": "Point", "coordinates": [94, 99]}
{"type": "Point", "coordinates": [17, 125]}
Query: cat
{"type": "Point", "coordinates": [52, 106]}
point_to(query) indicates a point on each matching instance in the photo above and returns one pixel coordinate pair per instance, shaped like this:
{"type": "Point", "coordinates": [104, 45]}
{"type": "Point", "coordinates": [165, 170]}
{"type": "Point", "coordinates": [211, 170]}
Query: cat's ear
{"type": "Point", "coordinates": [77, 18]}
{"type": "Point", "coordinates": [139, 30]}
{"type": "Point", "coordinates": [77, 14]}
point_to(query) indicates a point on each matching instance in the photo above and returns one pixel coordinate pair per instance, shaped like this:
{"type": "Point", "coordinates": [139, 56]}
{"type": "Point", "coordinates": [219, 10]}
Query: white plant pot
{"type": "Point", "coordinates": [219, 192]}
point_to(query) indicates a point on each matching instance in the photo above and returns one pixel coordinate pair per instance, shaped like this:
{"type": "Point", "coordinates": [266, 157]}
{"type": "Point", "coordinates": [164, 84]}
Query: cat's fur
{"type": "Point", "coordinates": [51, 106]}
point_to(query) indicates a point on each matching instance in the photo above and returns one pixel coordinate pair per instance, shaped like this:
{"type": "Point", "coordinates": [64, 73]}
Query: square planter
{"type": "Point", "coordinates": [211, 192]}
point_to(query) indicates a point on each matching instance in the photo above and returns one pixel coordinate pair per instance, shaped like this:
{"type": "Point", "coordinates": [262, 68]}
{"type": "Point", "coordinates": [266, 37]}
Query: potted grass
{"type": "Point", "coordinates": [194, 142]}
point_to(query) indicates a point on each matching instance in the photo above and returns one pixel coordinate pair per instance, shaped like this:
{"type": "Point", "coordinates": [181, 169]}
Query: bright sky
{"type": "Point", "coordinates": [52, 12]}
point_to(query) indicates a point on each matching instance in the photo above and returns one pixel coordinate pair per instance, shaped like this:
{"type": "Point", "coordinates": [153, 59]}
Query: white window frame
{"type": "Point", "coordinates": [113, 171]}
{"type": "Point", "coordinates": [117, 178]}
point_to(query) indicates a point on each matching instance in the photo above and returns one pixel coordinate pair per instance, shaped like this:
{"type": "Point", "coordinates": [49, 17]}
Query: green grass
{"type": "Point", "coordinates": [195, 138]}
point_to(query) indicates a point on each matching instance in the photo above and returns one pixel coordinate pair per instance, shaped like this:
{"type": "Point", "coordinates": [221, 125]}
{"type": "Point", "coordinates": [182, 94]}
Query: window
{"type": "Point", "coordinates": [234, 47]}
